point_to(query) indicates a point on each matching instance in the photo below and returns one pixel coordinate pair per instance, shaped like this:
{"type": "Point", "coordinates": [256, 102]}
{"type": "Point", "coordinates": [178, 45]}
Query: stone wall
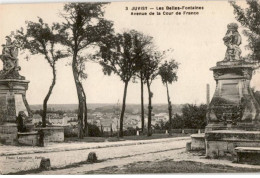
{"type": "Point", "coordinates": [8, 133]}
{"type": "Point", "coordinates": [52, 134]}
{"type": "Point", "coordinates": [198, 142]}
{"type": "Point", "coordinates": [28, 138]}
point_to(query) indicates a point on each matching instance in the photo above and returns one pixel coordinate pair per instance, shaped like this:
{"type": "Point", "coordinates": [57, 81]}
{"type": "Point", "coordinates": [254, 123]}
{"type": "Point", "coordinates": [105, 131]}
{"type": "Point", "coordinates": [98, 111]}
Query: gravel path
{"type": "Point", "coordinates": [113, 155]}
{"type": "Point", "coordinates": [24, 158]}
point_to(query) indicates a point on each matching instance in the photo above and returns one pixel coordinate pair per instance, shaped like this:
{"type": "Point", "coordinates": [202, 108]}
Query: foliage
{"type": "Point", "coordinates": [130, 131]}
{"type": "Point", "coordinates": [143, 46]}
{"type": "Point", "coordinates": [194, 117]}
{"type": "Point", "coordinates": [40, 38]}
{"type": "Point", "coordinates": [168, 71]}
{"type": "Point", "coordinates": [93, 131]}
{"type": "Point", "coordinates": [177, 122]}
{"type": "Point", "coordinates": [151, 66]}
{"type": "Point", "coordinates": [119, 56]}
{"type": "Point", "coordinates": [150, 71]}
{"type": "Point", "coordinates": [250, 18]}
{"type": "Point", "coordinates": [84, 28]}
{"type": "Point", "coordinates": [162, 125]}
{"type": "Point", "coordinates": [70, 131]}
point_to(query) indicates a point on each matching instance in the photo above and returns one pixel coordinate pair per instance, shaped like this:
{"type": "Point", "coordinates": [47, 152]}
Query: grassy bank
{"type": "Point", "coordinates": [170, 166]}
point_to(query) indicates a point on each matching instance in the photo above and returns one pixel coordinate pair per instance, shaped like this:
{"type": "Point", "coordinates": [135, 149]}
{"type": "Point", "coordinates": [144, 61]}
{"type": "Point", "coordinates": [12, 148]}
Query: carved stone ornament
{"type": "Point", "coordinates": [10, 61]}
{"type": "Point", "coordinates": [232, 40]}
{"type": "Point", "coordinates": [228, 113]}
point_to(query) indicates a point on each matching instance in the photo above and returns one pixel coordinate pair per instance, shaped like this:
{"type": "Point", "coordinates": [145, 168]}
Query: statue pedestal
{"type": "Point", "coordinates": [233, 106]}
{"type": "Point", "coordinates": [233, 114]}
{"type": "Point", "coordinates": [12, 101]}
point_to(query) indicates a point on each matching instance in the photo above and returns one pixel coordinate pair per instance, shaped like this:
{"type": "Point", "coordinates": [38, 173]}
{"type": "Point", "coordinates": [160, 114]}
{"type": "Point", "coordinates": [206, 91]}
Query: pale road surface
{"type": "Point", "coordinates": [114, 155]}
{"type": "Point", "coordinates": [14, 159]}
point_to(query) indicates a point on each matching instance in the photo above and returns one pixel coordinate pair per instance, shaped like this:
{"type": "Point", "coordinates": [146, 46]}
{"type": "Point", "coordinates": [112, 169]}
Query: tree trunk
{"type": "Point", "coordinates": [81, 108]}
{"type": "Point", "coordinates": [170, 109]}
{"type": "Point", "coordinates": [150, 108]}
{"type": "Point", "coordinates": [142, 102]}
{"type": "Point", "coordinates": [85, 111]}
{"type": "Point", "coordinates": [86, 116]}
{"type": "Point", "coordinates": [121, 134]}
{"type": "Point", "coordinates": [45, 101]}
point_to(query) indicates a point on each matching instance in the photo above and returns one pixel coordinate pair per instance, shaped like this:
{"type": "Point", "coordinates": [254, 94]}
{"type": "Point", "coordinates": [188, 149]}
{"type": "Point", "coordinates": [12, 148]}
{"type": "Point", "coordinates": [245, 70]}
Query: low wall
{"type": "Point", "coordinates": [52, 134]}
{"type": "Point", "coordinates": [8, 134]}
{"type": "Point", "coordinates": [198, 142]}
{"type": "Point", "coordinates": [28, 138]}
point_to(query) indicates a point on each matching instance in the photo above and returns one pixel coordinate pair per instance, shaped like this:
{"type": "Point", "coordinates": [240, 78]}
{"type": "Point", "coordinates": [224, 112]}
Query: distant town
{"type": "Point", "coordinates": [105, 116]}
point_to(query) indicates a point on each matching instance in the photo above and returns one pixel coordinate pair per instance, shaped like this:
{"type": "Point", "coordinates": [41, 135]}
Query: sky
{"type": "Point", "coordinates": [196, 42]}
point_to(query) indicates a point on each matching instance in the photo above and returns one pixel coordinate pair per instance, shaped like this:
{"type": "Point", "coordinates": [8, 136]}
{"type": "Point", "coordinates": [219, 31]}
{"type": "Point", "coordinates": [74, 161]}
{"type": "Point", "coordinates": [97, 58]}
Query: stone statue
{"type": "Point", "coordinates": [10, 60]}
{"type": "Point", "coordinates": [232, 40]}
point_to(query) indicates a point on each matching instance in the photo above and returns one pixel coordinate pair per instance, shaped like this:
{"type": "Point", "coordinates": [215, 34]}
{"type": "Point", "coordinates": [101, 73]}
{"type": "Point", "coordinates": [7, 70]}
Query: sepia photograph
{"type": "Point", "coordinates": [129, 87]}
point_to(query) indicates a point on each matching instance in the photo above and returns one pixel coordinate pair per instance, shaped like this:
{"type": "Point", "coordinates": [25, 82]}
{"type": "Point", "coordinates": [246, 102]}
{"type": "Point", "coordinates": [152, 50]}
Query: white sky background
{"type": "Point", "coordinates": [196, 40]}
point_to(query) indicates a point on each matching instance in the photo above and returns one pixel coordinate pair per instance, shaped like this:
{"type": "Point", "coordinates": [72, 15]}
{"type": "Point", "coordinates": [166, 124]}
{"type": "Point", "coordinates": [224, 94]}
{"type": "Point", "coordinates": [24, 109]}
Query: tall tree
{"type": "Point", "coordinates": [120, 58]}
{"type": "Point", "coordinates": [40, 38]}
{"type": "Point", "coordinates": [168, 73]}
{"type": "Point", "coordinates": [143, 45]}
{"type": "Point", "coordinates": [84, 28]}
{"type": "Point", "coordinates": [150, 71]}
{"type": "Point", "coordinates": [250, 18]}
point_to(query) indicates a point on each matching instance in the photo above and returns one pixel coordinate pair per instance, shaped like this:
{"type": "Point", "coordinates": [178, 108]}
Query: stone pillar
{"type": "Point", "coordinates": [233, 114]}
{"type": "Point", "coordinates": [12, 101]}
{"type": "Point", "coordinates": [233, 118]}
{"type": "Point", "coordinates": [233, 106]}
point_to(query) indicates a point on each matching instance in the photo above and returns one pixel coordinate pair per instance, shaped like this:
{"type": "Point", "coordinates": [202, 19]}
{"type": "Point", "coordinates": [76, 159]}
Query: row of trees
{"type": "Point", "coordinates": [85, 35]}
{"type": "Point", "coordinates": [130, 55]}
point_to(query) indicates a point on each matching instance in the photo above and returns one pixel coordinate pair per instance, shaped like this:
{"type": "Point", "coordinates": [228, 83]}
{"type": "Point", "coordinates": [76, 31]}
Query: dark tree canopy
{"type": "Point", "coordinates": [168, 71]}
{"type": "Point", "coordinates": [151, 66]}
{"type": "Point", "coordinates": [84, 28]}
{"type": "Point", "coordinates": [40, 38]}
{"type": "Point", "coordinates": [143, 46]}
{"type": "Point", "coordinates": [120, 56]}
{"type": "Point", "coordinates": [84, 25]}
{"type": "Point", "coordinates": [194, 116]}
{"type": "Point", "coordinates": [250, 18]}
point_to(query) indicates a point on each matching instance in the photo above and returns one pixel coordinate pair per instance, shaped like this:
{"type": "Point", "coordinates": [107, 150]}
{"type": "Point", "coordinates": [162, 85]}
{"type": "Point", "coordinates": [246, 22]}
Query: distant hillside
{"type": "Point", "coordinates": [97, 107]}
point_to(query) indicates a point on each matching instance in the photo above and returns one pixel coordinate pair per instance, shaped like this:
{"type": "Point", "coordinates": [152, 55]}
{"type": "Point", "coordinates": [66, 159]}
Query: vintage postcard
{"type": "Point", "coordinates": [153, 87]}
